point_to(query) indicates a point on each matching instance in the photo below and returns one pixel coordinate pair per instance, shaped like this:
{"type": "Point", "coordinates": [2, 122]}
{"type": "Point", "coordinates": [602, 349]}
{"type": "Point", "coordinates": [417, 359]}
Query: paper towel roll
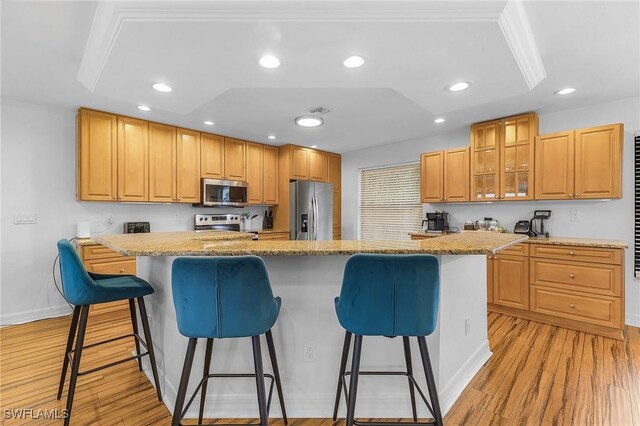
{"type": "Point", "coordinates": [83, 230]}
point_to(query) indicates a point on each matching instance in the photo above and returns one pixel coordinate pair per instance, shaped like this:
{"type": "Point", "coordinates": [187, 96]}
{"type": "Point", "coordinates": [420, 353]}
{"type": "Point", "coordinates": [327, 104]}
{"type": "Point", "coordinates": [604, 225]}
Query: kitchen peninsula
{"type": "Point", "coordinates": [308, 275]}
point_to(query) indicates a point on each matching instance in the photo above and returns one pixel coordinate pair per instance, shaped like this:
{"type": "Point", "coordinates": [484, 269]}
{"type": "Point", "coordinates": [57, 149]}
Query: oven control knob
{"type": "Point", "coordinates": [206, 218]}
{"type": "Point", "coordinates": [200, 219]}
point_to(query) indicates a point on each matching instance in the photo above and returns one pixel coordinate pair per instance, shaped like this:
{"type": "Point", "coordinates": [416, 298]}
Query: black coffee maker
{"type": "Point", "coordinates": [437, 222]}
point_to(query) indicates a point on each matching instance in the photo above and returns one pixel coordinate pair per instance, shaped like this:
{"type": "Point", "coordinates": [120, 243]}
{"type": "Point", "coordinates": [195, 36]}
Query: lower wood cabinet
{"type": "Point", "coordinates": [266, 236]}
{"type": "Point", "coordinates": [570, 286]}
{"type": "Point", "coordinates": [102, 260]}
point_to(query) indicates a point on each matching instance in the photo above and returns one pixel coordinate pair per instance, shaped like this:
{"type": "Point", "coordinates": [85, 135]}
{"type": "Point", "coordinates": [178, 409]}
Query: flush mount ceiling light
{"type": "Point", "coordinates": [314, 146]}
{"type": "Point", "coordinates": [457, 87]}
{"type": "Point", "coordinates": [208, 123]}
{"type": "Point", "coordinates": [272, 137]}
{"type": "Point", "coordinates": [144, 108]}
{"type": "Point", "coordinates": [439, 120]}
{"type": "Point", "coordinates": [565, 91]}
{"type": "Point", "coordinates": [269, 61]}
{"type": "Point", "coordinates": [309, 121]}
{"type": "Point", "coordinates": [161, 87]}
{"type": "Point", "coordinates": [353, 62]}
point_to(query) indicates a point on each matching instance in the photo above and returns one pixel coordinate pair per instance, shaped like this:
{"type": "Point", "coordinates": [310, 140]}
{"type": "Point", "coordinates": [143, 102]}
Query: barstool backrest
{"type": "Point", "coordinates": [77, 286]}
{"type": "Point", "coordinates": [390, 295]}
{"type": "Point", "coordinates": [218, 297]}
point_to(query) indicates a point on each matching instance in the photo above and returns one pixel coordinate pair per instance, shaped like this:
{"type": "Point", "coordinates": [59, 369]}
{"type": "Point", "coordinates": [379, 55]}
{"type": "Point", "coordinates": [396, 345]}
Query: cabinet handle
{"type": "Point", "coordinates": [572, 253]}
{"type": "Point", "coordinates": [121, 270]}
{"type": "Point", "coordinates": [570, 195]}
{"type": "Point", "coordinates": [578, 195]}
{"type": "Point", "coordinates": [571, 276]}
{"type": "Point", "coordinates": [572, 306]}
{"type": "Point", "coordinates": [445, 199]}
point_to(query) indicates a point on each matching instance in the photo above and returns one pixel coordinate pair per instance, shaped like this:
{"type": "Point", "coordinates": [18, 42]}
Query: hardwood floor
{"type": "Point", "coordinates": [539, 375]}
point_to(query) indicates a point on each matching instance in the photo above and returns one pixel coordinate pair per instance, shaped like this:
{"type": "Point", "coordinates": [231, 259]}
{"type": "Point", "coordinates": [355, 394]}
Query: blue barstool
{"type": "Point", "coordinates": [83, 289]}
{"type": "Point", "coordinates": [388, 295]}
{"type": "Point", "coordinates": [219, 298]}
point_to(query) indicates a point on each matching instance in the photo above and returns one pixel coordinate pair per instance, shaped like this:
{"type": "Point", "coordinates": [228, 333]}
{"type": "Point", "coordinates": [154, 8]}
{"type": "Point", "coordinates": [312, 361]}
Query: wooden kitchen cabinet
{"type": "Point", "coordinates": [97, 171]}
{"type": "Point", "coordinates": [234, 159]}
{"type": "Point", "coordinates": [511, 281]}
{"type": "Point", "coordinates": [579, 164]}
{"type": "Point", "coordinates": [255, 192]}
{"type": "Point", "coordinates": [133, 159]}
{"type": "Point", "coordinates": [299, 162]}
{"type": "Point", "coordinates": [270, 174]}
{"type": "Point", "coordinates": [334, 177]}
{"type": "Point", "coordinates": [490, 276]}
{"type": "Point", "coordinates": [162, 163]}
{"type": "Point", "coordinates": [188, 166]}
{"type": "Point", "coordinates": [212, 156]}
{"type": "Point", "coordinates": [444, 176]}
{"type": "Point", "coordinates": [485, 160]}
{"type": "Point", "coordinates": [318, 166]}
{"type": "Point", "coordinates": [517, 141]}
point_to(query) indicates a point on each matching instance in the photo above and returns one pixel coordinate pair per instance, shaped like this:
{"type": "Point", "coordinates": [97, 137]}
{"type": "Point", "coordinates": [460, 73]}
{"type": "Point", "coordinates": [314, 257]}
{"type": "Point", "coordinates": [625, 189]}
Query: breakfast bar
{"type": "Point", "coordinates": [307, 275]}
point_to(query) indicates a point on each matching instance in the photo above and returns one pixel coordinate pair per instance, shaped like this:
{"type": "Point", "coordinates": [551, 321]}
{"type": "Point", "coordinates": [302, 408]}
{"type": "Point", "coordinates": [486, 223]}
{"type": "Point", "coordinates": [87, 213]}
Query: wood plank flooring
{"type": "Point", "coordinates": [539, 375]}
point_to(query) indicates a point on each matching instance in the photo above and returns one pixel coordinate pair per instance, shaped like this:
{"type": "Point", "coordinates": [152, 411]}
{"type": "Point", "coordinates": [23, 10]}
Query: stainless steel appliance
{"type": "Point", "coordinates": [311, 210]}
{"type": "Point", "coordinates": [535, 226]}
{"type": "Point", "coordinates": [438, 221]}
{"type": "Point", "coordinates": [223, 193]}
{"type": "Point", "coordinates": [137, 227]}
{"type": "Point", "coordinates": [221, 222]}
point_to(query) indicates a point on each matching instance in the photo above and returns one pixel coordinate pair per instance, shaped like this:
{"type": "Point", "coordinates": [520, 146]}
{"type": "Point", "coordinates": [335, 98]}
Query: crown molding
{"type": "Point", "coordinates": [517, 31]}
{"type": "Point", "coordinates": [110, 16]}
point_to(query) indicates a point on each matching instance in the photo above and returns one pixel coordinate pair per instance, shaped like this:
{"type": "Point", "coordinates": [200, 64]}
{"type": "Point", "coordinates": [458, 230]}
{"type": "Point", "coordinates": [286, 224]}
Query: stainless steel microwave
{"type": "Point", "coordinates": [223, 193]}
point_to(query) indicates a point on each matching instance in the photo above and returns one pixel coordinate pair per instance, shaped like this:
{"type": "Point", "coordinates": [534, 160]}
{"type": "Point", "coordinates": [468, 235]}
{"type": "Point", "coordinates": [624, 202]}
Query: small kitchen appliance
{"type": "Point", "coordinates": [437, 222]}
{"type": "Point", "coordinates": [220, 222]}
{"type": "Point", "coordinates": [137, 227]}
{"type": "Point", "coordinates": [83, 230]}
{"type": "Point", "coordinates": [535, 226]}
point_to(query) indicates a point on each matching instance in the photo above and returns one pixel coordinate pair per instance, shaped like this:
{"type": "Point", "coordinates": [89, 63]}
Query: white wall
{"type": "Point", "coordinates": [599, 219]}
{"type": "Point", "coordinates": [38, 175]}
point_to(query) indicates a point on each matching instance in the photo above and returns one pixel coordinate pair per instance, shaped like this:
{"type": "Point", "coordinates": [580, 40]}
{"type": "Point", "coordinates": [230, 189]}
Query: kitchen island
{"type": "Point", "coordinates": [308, 275]}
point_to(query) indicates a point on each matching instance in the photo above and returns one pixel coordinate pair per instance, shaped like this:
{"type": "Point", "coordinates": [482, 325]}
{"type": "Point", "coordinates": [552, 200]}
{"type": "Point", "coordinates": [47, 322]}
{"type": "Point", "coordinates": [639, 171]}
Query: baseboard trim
{"type": "Point", "coordinates": [34, 315]}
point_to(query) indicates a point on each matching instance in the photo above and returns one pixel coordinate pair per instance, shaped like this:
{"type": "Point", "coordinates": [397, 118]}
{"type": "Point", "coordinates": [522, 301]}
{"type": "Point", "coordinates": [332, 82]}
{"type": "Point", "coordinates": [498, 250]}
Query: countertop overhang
{"type": "Point", "coordinates": [224, 243]}
{"type": "Point", "coordinates": [562, 241]}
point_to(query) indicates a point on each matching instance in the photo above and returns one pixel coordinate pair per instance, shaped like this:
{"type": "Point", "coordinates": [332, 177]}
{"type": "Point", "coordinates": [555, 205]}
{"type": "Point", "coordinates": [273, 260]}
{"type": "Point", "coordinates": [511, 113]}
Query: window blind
{"type": "Point", "coordinates": [390, 205]}
{"type": "Point", "coordinates": [637, 207]}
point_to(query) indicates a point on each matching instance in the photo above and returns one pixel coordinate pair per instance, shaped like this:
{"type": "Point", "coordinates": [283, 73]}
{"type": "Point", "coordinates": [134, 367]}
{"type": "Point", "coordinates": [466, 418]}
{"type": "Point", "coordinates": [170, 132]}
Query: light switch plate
{"type": "Point", "coordinates": [24, 218]}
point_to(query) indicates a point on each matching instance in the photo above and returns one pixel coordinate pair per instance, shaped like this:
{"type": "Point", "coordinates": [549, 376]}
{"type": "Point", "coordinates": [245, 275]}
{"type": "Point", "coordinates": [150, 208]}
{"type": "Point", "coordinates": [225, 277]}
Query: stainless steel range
{"type": "Point", "coordinates": [222, 222]}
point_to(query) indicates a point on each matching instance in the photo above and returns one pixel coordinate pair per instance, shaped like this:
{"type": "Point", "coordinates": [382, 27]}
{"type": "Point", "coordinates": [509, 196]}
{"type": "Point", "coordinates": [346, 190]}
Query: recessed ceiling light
{"type": "Point", "coordinates": [208, 123]}
{"type": "Point", "coordinates": [456, 87]}
{"type": "Point", "coordinates": [353, 62]}
{"type": "Point", "coordinates": [565, 91]}
{"type": "Point", "coordinates": [269, 61]}
{"type": "Point", "coordinates": [161, 87]}
{"type": "Point", "coordinates": [439, 120]}
{"type": "Point", "coordinates": [144, 108]}
{"type": "Point", "coordinates": [309, 121]}
{"type": "Point", "coordinates": [314, 146]}
{"type": "Point", "coordinates": [272, 137]}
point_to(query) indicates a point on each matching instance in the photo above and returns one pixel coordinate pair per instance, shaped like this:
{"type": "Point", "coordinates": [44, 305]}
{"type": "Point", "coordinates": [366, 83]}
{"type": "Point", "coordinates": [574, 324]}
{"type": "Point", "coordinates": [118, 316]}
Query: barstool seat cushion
{"type": "Point", "coordinates": [220, 297]}
{"type": "Point", "coordinates": [389, 295]}
{"type": "Point", "coordinates": [83, 288]}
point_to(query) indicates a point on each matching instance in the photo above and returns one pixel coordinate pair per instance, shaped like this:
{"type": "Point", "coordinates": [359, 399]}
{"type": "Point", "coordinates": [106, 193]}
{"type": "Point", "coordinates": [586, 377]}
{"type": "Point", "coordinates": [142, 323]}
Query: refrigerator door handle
{"type": "Point", "coordinates": [310, 221]}
{"type": "Point", "coordinates": [316, 217]}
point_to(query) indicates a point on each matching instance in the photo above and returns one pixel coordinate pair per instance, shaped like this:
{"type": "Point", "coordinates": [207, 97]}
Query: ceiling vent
{"type": "Point", "coordinates": [319, 110]}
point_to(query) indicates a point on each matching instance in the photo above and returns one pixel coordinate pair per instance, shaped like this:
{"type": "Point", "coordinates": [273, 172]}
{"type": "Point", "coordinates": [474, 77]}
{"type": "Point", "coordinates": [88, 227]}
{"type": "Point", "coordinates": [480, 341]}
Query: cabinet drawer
{"type": "Point", "coordinates": [601, 310]}
{"type": "Point", "coordinates": [123, 265]}
{"type": "Point", "coordinates": [516, 250]}
{"type": "Point", "coordinates": [587, 277]}
{"type": "Point", "coordinates": [98, 251]}
{"type": "Point", "coordinates": [274, 236]}
{"type": "Point", "coordinates": [582, 254]}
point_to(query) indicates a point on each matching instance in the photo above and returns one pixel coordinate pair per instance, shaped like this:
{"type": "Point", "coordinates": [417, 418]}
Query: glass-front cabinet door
{"type": "Point", "coordinates": [517, 136]}
{"type": "Point", "coordinates": [485, 139]}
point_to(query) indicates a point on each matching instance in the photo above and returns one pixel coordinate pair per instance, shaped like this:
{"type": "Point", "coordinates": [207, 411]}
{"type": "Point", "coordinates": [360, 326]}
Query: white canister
{"type": "Point", "coordinates": [83, 229]}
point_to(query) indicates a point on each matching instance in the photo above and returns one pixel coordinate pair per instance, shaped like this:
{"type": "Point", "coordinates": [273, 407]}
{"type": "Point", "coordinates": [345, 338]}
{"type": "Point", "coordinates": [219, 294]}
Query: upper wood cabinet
{"type": "Point", "coordinates": [318, 166]}
{"type": "Point", "coordinates": [255, 192]}
{"type": "Point", "coordinates": [517, 136]}
{"type": "Point", "coordinates": [234, 159]}
{"type": "Point", "coordinates": [211, 156]}
{"type": "Point", "coordinates": [188, 166]}
{"type": "Point", "coordinates": [97, 158]}
{"type": "Point", "coordinates": [444, 176]}
{"type": "Point", "coordinates": [270, 174]}
{"type": "Point", "coordinates": [299, 162]}
{"type": "Point", "coordinates": [485, 160]}
{"type": "Point", "coordinates": [133, 161]}
{"type": "Point", "coordinates": [162, 163]}
{"type": "Point", "coordinates": [580, 164]}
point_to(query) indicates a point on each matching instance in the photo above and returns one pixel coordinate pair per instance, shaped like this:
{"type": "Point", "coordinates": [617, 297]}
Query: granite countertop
{"type": "Point", "coordinates": [237, 243]}
{"type": "Point", "coordinates": [271, 231]}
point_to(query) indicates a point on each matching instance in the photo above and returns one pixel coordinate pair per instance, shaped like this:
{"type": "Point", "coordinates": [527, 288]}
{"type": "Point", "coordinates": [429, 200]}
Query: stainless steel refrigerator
{"type": "Point", "coordinates": [311, 210]}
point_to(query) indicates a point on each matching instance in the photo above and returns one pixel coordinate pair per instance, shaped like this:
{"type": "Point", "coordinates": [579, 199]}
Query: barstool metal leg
{"type": "Point", "coordinates": [412, 392]}
{"type": "Point", "coordinates": [431, 383]}
{"type": "Point", "coordinates": [205, 372]}
{"type": "Point", "coordinates": [276, 373]}
{"type": "Point", "coordinates": [343, 367]}
{"type": "Point", "coordinates": [134, 324]}
{"type": "Point", "coordinates": [82, 327]}
{"type": "Point", "coordinates": [148, 339]}
{"type": "Point", "coordinates": [72, 334]}
{"type": "Point", "coordinates": [353, 383]}
{"type": "Point", "coordinates": [262, 397]}
{"type": "Point", "coordinates": [184, 382]}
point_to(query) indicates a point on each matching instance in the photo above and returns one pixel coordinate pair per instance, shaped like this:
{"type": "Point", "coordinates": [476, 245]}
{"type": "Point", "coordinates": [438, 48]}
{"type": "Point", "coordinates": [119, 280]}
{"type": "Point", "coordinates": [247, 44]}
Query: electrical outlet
{"type": "Point", "coordinates": [575, 216]}
{"type": "Point", "coordinates": [24, 218]}
{"type": "Point", "coordinates": [309, 353]}
{"type": "Point", "coordinates": [467, 326]}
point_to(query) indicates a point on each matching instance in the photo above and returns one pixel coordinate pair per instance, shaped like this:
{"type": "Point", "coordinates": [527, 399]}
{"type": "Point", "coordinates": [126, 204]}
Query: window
{"type": "Point", "coordinates": [636, 267]}
{"type": "Point", "coordinates": [390, 202]}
